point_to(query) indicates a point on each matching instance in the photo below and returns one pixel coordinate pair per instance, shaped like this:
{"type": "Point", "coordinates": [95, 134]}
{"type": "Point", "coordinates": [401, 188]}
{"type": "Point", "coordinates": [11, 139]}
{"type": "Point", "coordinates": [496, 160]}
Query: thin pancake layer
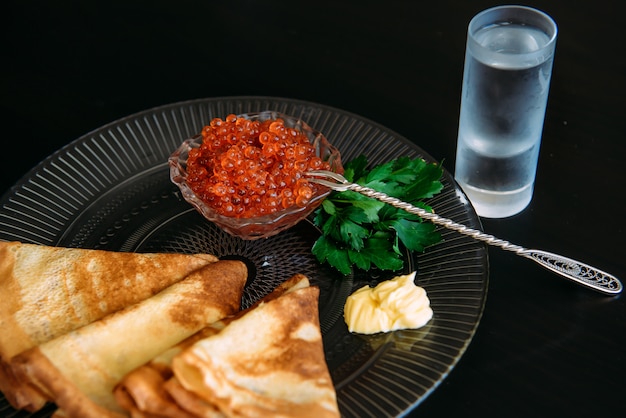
{"type": "Point", "coordinates": [94, 358]}
{"type": "Point", "coordinates": [144, 391]}
{"type": "Point", "coordinates": [48, 291]}
{"type": "Point", "coordinates": [268, 362]}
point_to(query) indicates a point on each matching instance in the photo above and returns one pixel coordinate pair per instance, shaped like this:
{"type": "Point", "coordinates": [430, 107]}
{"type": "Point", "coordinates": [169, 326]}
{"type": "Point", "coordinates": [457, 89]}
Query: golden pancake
{"type": "Point", "coordinates": [82, 367]}
{"type": "Point", "coordinates": [268, 362]}
{"type": "Point", "coordinates": [48, 291]}
{"type": "Point", "coordinates": [144, 391]}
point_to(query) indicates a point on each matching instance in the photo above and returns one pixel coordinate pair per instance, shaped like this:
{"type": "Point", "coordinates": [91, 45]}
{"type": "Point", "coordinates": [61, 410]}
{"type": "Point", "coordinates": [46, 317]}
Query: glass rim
{"type": "Point", "coordinates": [515, 14]}
{"type": "Point", "coordinates": [512, 15]}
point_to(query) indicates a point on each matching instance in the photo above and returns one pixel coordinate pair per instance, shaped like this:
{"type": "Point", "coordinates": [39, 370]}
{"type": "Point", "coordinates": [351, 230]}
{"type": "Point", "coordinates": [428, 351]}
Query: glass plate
{"type": "Point", "coordinates": [110, 189]}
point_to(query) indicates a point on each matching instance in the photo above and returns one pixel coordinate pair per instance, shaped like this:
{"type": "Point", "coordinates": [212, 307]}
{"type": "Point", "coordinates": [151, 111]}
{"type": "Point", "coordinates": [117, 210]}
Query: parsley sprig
{"type": "Point", "coordinates": [360, 231]}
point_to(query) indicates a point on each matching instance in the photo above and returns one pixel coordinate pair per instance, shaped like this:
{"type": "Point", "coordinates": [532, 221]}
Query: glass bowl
{"type": "Point", "coordinates": [266, 225]}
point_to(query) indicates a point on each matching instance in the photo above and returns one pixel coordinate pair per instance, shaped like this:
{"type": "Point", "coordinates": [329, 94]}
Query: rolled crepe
{"type": "Point", "coordinates": [194, 405]}
{"type": "Point", "coordinates": [269, 362]}
{"type": "Point", "coordinates": [79, 370]}
{"type": "Point", "coordinates": [49, 291]}
{"type": "Point", "coordinates": [144, 392]}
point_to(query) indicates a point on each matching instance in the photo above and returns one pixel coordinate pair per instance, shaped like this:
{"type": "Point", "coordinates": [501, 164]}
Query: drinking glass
{"type": "Point", "coordinates": [506, 79]}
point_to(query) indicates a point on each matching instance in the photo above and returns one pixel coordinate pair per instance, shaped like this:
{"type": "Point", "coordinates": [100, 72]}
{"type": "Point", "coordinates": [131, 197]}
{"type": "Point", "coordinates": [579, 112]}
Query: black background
{"type": "Point", "coordinates": [545, 347]}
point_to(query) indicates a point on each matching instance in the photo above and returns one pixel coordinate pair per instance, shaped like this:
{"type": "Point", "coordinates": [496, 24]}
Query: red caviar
{"type": "Point", "coordinates": [249, 168]}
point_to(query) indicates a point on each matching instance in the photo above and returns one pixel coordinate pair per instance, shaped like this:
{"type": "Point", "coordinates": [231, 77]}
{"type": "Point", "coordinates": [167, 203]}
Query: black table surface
{"type": "Point", "coordinates": [544, 346]}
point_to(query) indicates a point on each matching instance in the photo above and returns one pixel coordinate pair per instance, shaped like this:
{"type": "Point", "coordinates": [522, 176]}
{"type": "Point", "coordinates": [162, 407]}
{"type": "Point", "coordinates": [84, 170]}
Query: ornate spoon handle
{"type": "Point", "coordinates": [571, 269]}
{"type": "Point", "coordinates": [574, 270]}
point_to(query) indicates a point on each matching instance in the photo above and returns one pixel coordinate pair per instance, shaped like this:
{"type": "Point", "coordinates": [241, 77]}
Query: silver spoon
{"type": "Point", "coordinates": [576, 271]}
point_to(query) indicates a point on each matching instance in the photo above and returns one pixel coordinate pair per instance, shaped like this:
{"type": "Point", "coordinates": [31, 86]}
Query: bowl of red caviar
{"type": "Point", "coordinates": [245, 172]}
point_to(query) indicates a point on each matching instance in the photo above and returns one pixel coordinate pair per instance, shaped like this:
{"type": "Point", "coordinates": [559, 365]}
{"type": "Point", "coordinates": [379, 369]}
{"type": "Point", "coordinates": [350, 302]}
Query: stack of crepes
{"type": "Point", "coordinates": [75, 321]}
{"type": "Point", "coordinates": [267, 360]}
{"type": "Point", "coordinates": [105, 334]}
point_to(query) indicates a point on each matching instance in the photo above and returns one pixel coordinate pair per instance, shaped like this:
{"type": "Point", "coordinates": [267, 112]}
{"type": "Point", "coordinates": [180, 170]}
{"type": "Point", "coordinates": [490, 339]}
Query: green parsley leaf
{"type": "Point", "coordinates": [379, 252]}
{"type": "Point", "coordinates": [326, 250]}
{"type": "Point", "coordinates": [416, 236]}
{"type": "Point", "coordinates": [361, 232]}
